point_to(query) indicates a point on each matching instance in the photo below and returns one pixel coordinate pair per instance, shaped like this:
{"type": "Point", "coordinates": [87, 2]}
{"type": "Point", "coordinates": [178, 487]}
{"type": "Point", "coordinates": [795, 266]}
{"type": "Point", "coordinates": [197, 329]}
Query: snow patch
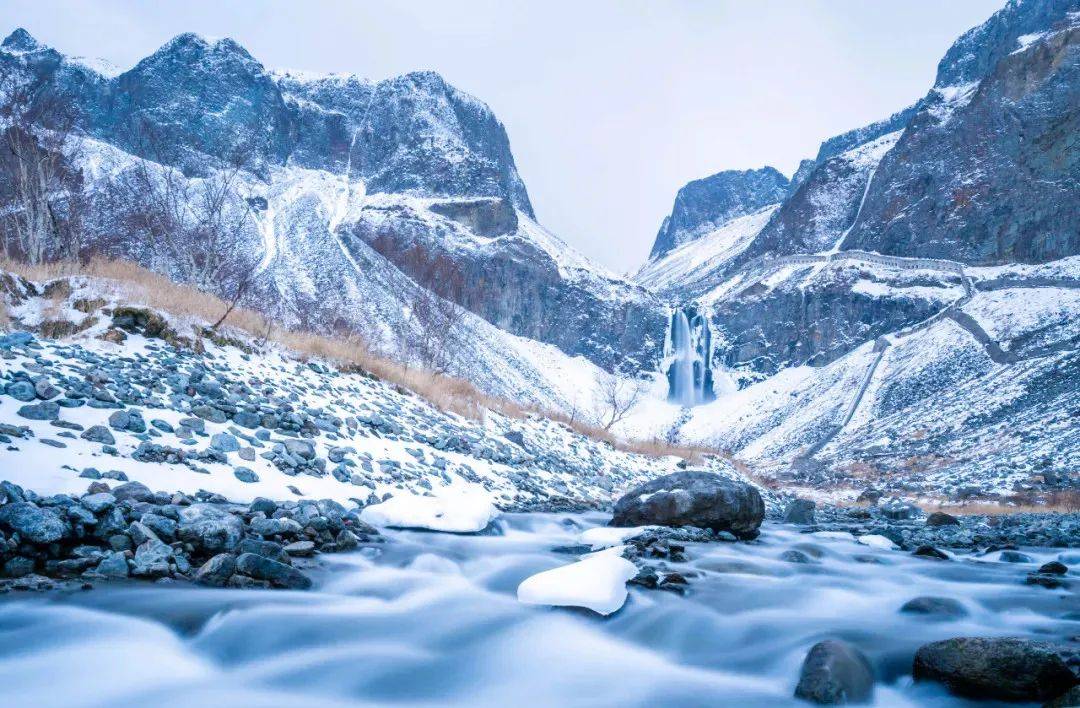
{"type": "Point", "coordinates": [706, 254]}
{"type": "Point", "coordinates": [464, 510]}
{"type": "Point", "coordinates": [877, 541]}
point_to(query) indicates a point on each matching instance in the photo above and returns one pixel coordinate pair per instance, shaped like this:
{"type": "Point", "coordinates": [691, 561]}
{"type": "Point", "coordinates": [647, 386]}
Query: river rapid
{"type": "Point", "coordinates": [432, 619]}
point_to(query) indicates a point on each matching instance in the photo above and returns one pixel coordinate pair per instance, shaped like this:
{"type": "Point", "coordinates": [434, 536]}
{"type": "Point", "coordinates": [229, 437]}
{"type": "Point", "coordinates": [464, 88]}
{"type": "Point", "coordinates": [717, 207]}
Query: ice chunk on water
{"type": "Point", "coordinates": [598, 582]}
{"type": "Point", "coordinates": [877, 541]}
{"type": "Point", "coordinates": [607, 536]}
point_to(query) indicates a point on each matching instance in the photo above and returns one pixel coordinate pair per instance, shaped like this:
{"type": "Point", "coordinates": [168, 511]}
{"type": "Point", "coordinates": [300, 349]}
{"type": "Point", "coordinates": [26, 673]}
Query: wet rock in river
{"type": "Point", "coordinates": [800, 511]}
{"type": "Point", "coordinates": [995, 668]}
{"type": "Point", "coordinates": [795, 556]}
{"type": "Point", "coordinates": [216, 571]}
{"type": "Point", "coordinates": [934, 607]}
{"type": "Point", "coordinates": [835, 672]}
{"type": "Point", "coordinates": [277, 574]}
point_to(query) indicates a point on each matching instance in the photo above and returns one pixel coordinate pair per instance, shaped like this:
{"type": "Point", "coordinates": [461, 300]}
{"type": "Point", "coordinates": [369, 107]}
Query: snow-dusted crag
{"type": "Point", "coordinates": [704, 205]}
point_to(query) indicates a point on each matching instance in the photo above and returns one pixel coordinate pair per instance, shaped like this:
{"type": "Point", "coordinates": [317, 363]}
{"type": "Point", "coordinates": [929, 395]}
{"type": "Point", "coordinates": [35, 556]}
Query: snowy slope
{"type": "Point", "coordinates": [698, 258]}
{"type": "Point", "coordinates": [308, 427]}
{"type": "Point", "coordinates": [311, 273]}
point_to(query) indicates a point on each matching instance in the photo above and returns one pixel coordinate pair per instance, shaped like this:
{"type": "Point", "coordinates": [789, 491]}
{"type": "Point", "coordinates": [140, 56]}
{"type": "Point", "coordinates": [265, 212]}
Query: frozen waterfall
{"type": "Point", "coordinates": [689, 353]}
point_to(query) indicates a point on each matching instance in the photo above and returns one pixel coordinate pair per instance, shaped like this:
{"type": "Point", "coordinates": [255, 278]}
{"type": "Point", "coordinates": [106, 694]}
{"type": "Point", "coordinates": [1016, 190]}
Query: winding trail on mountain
{"type": "Point", "coordinates": [969, 324]}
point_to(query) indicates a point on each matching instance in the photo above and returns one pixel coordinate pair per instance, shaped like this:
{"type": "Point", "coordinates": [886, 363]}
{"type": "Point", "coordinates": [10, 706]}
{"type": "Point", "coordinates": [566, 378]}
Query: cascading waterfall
{"type": "Point", "coordinates": [689, 353]}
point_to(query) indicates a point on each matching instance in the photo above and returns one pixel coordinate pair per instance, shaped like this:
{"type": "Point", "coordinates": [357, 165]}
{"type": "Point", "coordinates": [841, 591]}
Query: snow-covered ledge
{"type": "Point", "coordinates": [451, 509]}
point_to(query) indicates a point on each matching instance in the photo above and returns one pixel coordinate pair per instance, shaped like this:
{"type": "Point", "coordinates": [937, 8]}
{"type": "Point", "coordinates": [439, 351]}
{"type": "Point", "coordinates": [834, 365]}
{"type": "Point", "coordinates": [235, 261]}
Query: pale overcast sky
{"type": "Point", "coordinates": [611, 105]}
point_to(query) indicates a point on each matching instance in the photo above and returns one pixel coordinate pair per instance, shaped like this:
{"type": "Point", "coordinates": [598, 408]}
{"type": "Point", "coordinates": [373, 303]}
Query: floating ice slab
{"type": "Point", "coordinates": [598, 582]}
{"type": "Point", "coordinates": [454, 511]}
{"type": "Point", "coordinates": [876, 541]}
{"type": "Point", "coordinates": [835, 535]}
{"type": "Point", "coordinates": [608, 536]}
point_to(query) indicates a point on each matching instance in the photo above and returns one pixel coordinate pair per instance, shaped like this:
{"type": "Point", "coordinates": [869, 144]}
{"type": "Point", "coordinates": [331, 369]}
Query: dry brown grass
{"type": "Point", "coordinates": [861, 470]}
{"type": "Point", "coordinates": [134, 283]}
{"type": "Point", "coordinates": [1063, 501]}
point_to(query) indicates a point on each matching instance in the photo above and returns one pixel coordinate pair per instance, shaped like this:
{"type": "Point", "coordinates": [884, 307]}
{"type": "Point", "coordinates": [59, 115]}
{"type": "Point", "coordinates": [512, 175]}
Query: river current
{"type": "Point", "coordinates": [432, 619]}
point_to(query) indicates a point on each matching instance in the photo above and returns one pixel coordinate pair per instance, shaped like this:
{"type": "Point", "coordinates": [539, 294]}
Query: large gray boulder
{"type": "Point", "coordinates": [216, 571]}
{"type": "Point", "coordinates": [995, 668]}
{"type": "Point", "coordinates": [210, 528]}
{"type": "Point", "coordinates": [277, 574]}
{"type": "Point", "coordinates": [834, 672]}
{"type": "Point", "coordinates": [701, 499]}
{"type": "Point", "coordinates": [32, 523]}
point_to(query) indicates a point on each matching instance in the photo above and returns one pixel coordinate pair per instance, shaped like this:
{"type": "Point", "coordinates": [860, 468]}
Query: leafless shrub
{"type": "Point", "coordinates": [434, 309]}
{"type": "Point", "coordinates": [615, 397]}
{"type": "Point", "coordinates": [192, 225]}
{"type": "Point", "coordinates": [41, 197]}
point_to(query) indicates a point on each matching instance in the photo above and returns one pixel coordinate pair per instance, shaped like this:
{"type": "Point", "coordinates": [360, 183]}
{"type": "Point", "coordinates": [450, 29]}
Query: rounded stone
{"type": "Point", "coordinates": [835, 672]}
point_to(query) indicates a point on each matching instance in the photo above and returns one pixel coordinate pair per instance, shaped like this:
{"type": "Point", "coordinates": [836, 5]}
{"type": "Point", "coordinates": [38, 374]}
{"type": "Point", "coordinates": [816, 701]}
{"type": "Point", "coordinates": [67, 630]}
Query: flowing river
{"type": "Point", "coordinates": [432, 620]}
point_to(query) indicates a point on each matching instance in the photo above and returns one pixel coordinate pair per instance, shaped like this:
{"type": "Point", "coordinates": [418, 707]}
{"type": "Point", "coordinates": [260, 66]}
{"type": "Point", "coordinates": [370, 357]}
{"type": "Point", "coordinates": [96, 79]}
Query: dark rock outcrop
{"type": "Point", "coordinates": [934, 607]}
{"type": "Point", "coordinates": [484, 217]}
{"type": "Point", "coordinates": [1004, 669]}
{"type": "Point", "coordinates": [835, 672]}
{"type": "Point", "coordinates": [700, 499]}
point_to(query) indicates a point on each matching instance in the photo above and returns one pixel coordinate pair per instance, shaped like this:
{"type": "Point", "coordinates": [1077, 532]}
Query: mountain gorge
{"type": "Point", "coordinates": [859, 321]}
{"type": "Point", "coordinates": [907, 270]}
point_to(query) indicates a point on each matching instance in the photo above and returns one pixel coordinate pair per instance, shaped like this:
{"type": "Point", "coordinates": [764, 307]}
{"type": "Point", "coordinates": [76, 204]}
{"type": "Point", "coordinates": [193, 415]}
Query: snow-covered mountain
{"type": "Point", "coordinates": [904, 314]}
{"type": "Point", "coordinates": [900, 309]}
{"type": "Point", "coordinates": [363, 198]}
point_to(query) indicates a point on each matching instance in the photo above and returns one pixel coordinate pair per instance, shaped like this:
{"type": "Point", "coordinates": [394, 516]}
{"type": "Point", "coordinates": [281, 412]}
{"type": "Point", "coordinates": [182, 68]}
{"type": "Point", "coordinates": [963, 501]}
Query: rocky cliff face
{"type": "Point", "coordinates": [816, 315]}
{"type": "Point", "coordinates": [412, 134]}
{"type": "Point", "coordinates": [705, 205]}
{"type": "Point", "coordinates": [200, 104]}
{"type": "Point", "coordinates": [988, 170]}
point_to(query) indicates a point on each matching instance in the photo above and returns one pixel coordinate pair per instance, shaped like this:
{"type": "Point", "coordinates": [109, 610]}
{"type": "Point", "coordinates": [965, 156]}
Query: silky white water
{"type": "Point", "coordinates": [684, 390]}
{"type": "Point", "coordinates": [432, 620]}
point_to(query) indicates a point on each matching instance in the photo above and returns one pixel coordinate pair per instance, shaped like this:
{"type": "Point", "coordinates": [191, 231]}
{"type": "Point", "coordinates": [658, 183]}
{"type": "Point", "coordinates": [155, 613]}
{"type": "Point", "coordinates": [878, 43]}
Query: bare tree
{"type": "Point", "coordinates": [192, 225]}
{"type": "Point", "coordinates": [41, 197]}
{"type": "Point", "coordinates": [433, 307]}
{"type": "Point", "coordinates": [616, 397]}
